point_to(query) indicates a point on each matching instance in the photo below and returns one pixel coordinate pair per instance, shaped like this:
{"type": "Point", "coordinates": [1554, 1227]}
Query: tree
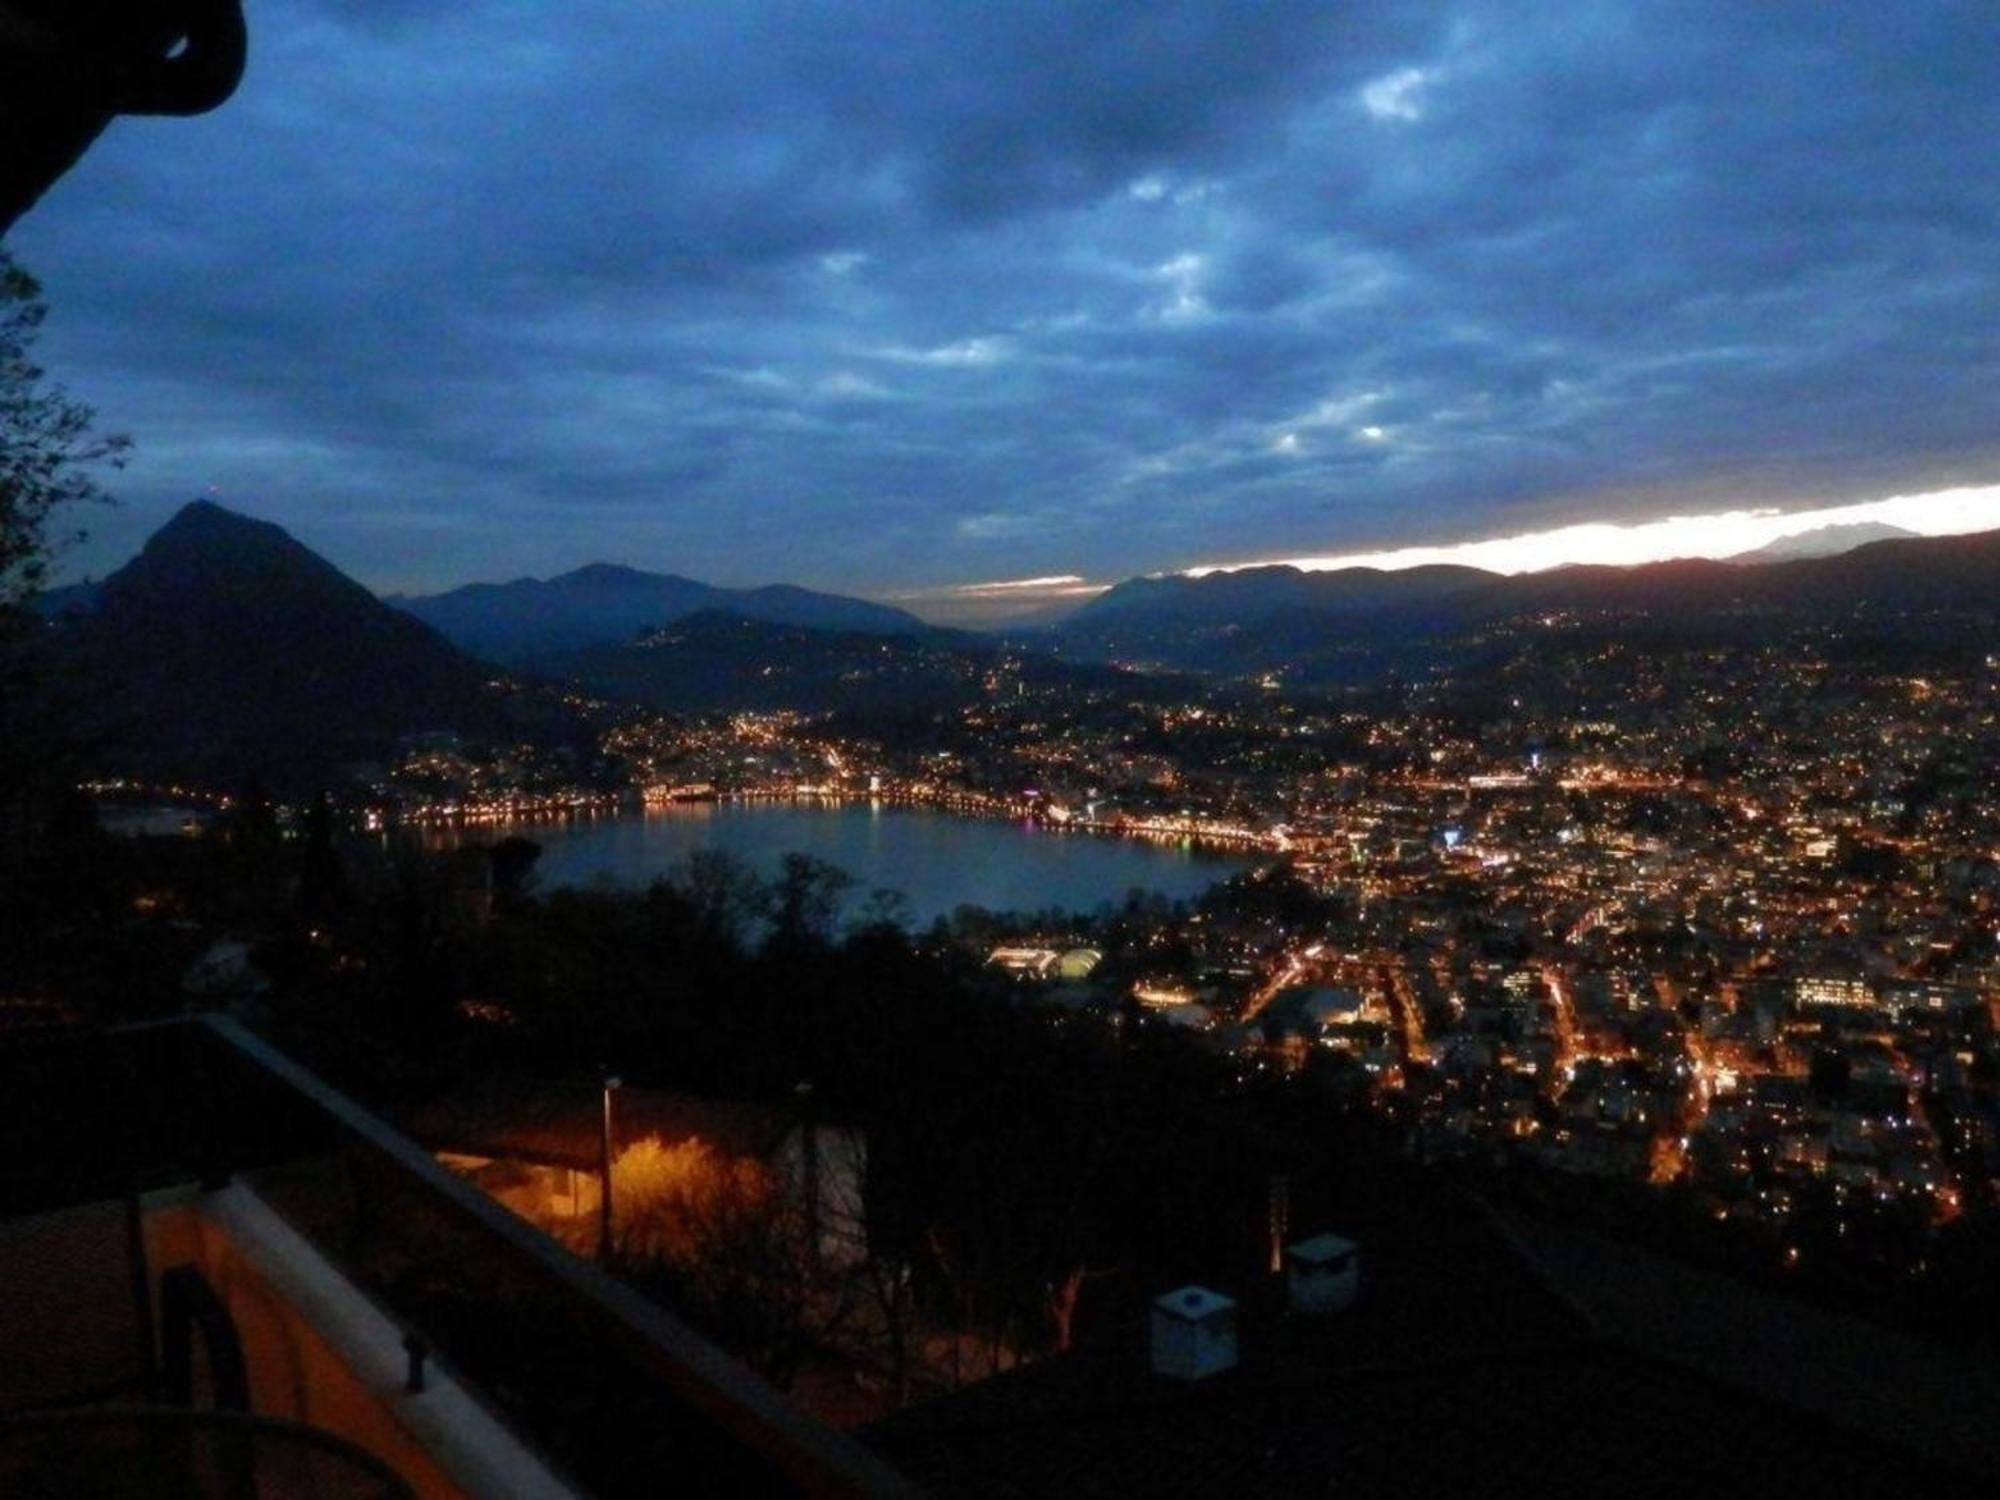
{"type": "Point", "coordinates": [513, 861]}
{"type": "Point", "coordinates": [884, 910]}
{"type": "Point", "coordinates": [725, 895]}
{"type": "Point", "coordinates": [59, 884]}
{"type": "Point", "coordinates": [724, 1240]}
{"type": "Point", "coordinates": [47, 448]}
{"type": "Point", "coordinates": [47, 452]}
{"type": "Point", "coordinates": [805, 900]}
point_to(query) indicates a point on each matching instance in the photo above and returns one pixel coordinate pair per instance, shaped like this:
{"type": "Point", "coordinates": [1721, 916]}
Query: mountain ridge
{"type": "Point", "coordinates": [1822, 541]}
{"type": "Point", "coordinates": [1251, 619]}
{"type": "Point", "coordinates": [536, 622]}
{"type": "Point", "coordinates": [228, 650]}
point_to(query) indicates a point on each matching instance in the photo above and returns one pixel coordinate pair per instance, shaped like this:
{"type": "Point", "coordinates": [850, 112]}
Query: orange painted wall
{"type": "Point", "coordinates": [294, 1372]}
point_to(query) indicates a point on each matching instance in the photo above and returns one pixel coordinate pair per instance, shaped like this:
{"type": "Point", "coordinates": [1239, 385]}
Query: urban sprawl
{"type": "Point", "coordinates": [1724, 917]}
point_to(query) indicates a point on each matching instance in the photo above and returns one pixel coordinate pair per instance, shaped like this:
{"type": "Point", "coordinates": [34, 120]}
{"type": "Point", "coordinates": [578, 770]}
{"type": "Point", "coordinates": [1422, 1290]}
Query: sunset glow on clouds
{"type": "Point", "coordinates": [1716, 535]}
{"type": "Point", "coordinates": [1723, 534]}
{"type": "Point", "coordinates": [1056, 584]}
{"type": "Point", "coordinates": [878, 299]}
{"type": "Point", "coordinates": [998, 600]}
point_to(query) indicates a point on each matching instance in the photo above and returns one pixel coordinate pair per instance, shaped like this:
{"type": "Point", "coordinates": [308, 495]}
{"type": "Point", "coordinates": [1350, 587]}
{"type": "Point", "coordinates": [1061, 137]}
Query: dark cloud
{"type": "Point", "coordinates": [891, 294]}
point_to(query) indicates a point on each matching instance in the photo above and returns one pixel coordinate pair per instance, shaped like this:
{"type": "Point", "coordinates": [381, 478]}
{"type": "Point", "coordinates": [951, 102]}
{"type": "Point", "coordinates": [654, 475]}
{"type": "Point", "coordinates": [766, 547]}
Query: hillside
{"type": "Point", "coordinates": [719, 660]}
{"type": "Point", "coordinates": [1355, 622]}
{"type": "Point", "coordinates": [534, 622]}
{"type": "Point", "coordinates": [226, 650]}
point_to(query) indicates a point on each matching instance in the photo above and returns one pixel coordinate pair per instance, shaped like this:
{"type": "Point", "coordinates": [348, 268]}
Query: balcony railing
{"type": "Point", "coordinates": [170, 1453]}
{"type": "Point", "coordinates": [618, 1395]}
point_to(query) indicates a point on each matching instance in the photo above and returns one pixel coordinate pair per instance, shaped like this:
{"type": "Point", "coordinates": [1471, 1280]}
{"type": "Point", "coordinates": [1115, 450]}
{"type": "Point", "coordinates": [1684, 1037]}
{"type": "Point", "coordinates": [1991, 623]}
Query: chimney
{"type": "Point", "coordinates": [1194, 1334]}
{"type": "Point", "coordinates": [1322, 1274]}
{"type": "Point", "coordinates": [1281, 1219]}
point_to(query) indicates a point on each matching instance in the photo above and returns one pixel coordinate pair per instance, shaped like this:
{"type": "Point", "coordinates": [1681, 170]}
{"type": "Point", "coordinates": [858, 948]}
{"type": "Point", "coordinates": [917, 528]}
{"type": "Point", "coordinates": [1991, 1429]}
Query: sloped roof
{"type": "Point", "coordinates": [1856, 1374]}
{"type": "Point", "coordinates": [1460, 1370]}
{"type": "Point", "coordinates": [559, 1124]}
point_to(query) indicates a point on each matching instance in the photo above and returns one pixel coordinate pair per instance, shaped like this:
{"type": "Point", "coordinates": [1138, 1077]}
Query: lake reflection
{"type": "Point", "coordinates": [939, 861]}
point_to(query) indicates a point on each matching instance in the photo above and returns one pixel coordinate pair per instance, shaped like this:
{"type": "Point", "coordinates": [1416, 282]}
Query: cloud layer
{"type": "Point", "coordinates": [898, 295]}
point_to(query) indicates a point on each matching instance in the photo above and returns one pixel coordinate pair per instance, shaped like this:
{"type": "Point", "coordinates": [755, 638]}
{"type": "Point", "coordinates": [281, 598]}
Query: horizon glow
{"type": "Point", "coordinates": [1717, 535]}
{"type": "Point", "coordinates": [1054, 584]}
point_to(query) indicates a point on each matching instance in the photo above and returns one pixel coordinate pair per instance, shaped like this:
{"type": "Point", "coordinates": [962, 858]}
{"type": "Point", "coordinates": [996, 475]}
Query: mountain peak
{"type": "Point", "coordinates": [205, 517]}
{"type": "Point", "coordinates": [1824, 541]}
{"type": "Point", "coordinates": [205, 543]}
{"type": "Point", "coordinates": [602, 573]}
{"type": "Point", "coordinates": [227, 647]}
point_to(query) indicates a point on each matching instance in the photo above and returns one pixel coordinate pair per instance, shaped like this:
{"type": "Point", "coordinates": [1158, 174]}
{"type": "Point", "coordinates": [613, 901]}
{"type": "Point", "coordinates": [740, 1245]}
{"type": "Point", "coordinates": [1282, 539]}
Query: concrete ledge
{"type": "Point", "coordinates": [465, 1440]}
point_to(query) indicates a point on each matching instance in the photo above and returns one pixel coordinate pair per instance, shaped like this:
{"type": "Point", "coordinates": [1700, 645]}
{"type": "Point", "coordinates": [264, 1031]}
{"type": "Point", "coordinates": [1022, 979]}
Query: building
{"type": "Point", "coordinates": [538, 1148]}
{"type": "Point", "coordinates": [1479, 1356]}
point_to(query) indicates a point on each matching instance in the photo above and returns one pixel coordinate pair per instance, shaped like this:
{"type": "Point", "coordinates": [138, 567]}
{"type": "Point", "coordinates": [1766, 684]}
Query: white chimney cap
{"type": "Point", "coordinates": [1321, 1250]}
{"type": "Point", "coordinates": [1193, 1303]}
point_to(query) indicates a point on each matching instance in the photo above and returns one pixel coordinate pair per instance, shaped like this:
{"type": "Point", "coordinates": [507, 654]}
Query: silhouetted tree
{"type": "Point", "coordinates": [47, 454]}
{"type": "Point", "coordinates": [805, 899]}
{"type": "Point", "coordinates": [724, 893]}
{"type": "Point", "coordinates": [513, 861]}
{"type": "Point", "coordinates": [883, 908]}
{"type": "Point", "coordinates": [47, 449]}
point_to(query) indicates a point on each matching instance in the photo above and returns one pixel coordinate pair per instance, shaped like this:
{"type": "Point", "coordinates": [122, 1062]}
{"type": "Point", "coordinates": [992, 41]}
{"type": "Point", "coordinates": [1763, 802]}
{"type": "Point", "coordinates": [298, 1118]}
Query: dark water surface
{"type": "Point", "coordinates": [938, 860]}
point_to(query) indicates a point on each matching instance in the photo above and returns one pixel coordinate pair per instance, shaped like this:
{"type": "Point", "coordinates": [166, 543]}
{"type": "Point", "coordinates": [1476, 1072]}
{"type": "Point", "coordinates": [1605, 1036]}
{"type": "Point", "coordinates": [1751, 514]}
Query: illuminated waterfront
{"type": "Point", "coordinates": [938, 860]}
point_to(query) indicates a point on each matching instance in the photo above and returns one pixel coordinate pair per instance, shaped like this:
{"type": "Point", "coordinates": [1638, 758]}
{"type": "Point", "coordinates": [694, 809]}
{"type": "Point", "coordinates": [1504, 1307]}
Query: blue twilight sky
{"type": "Point", "coordinates": [888, 297]}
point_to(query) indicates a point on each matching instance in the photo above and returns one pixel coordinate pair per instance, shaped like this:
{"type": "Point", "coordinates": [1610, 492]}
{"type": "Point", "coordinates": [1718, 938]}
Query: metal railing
{"type": "Point", "coordinates": [619, 1395]}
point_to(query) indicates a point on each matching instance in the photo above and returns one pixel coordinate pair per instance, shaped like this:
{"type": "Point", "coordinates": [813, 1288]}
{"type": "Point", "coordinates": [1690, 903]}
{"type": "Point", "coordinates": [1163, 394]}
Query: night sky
{"type": "Point", "coordinates": [889, 297]}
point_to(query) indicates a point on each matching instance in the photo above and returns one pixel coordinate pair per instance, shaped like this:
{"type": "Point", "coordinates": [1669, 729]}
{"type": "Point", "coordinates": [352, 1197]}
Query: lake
{"type": "Point", "coordinates": [938, 860]}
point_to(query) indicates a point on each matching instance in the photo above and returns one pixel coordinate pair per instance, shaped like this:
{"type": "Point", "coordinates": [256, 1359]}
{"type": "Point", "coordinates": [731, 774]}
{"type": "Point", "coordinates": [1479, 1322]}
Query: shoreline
{"type": "Point", "coordinates": [974, 808]}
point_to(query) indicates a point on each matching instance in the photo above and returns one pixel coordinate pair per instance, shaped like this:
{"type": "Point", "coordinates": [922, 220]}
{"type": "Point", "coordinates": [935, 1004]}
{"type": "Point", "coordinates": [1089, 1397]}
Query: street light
{"type": "Point", "coordinates": [612, 1083]}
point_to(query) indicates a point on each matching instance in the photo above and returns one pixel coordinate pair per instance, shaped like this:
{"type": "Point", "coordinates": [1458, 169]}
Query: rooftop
{"type": "Point", "coordinates": [1467, 1364]}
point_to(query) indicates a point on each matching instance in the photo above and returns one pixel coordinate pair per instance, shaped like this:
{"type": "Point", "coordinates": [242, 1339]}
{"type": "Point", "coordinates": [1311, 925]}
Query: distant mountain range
{"type": "Point", "coordinates": [229, 651]}
{"type": "Point", "coordinates": [1823, 541]}
{"type": "Point", "coordinates": [537, 622]}
{"type": "Point", "coordinates": [1224, 598]}
{"type": "Point", "coordinates": [1913, 576]}
{"type": "Point", "coordinates": [1350, 622]}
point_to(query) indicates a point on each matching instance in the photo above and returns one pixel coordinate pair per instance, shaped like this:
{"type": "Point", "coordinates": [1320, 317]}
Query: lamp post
{"type": "Point", "coordinates": [612, 1082]}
